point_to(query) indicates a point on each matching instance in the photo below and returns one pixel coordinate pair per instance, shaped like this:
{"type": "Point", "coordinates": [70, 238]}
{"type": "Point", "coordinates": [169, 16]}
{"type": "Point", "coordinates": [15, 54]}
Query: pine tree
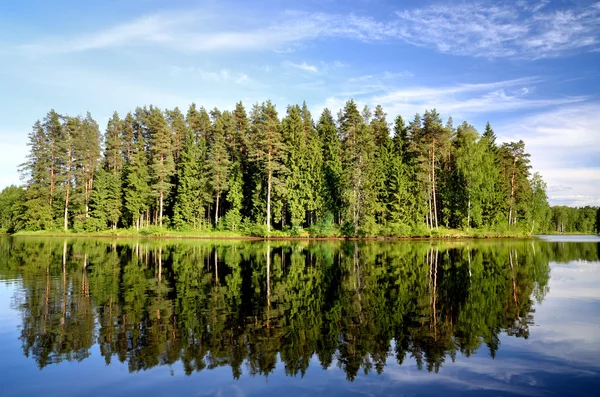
{"type": "Point", "coordinates": [87, 148]}
{"type": "Point", "coordinates": [162, 166]}
{"type": "Point", "coordinates": [178, 132]}
{"type": "Point", "coordinates": [515, 166]}
{"type": "Point", "coordinates": [128, 137]}
{"type": "Point", "coordinates": [268, 149]}
{"type": "Point", "coordinates": [72, 130]}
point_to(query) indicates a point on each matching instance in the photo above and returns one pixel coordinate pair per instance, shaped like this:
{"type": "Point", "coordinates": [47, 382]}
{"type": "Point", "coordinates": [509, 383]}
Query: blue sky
{"type": "Point", "coordinates": [530, 68]}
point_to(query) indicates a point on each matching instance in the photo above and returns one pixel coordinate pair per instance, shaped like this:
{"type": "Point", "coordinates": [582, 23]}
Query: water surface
{"type": "Point", "coordinates": [165, 317]}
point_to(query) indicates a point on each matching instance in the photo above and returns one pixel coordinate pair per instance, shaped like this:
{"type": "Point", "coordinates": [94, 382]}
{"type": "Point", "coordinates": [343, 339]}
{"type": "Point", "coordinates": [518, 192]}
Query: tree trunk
{"type": "Point", "coordinates": [217, 209]}
{"type": "Point", "coordinates": [66, 224]}
{"type": "Point", "coordinates": [469, 213]}
{"type": "Point", "coordinates": [269, 181]}
{"type": "Point", "coordinates": [512, 192]}
{"type": "Point", "coordinates": [160, 214]}
{"type": "Point", "coordinates": [433, 184]}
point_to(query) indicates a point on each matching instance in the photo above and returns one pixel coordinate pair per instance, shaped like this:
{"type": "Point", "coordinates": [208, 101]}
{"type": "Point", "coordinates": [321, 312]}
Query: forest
{"type": "Point", "coordinates": [256, 173]}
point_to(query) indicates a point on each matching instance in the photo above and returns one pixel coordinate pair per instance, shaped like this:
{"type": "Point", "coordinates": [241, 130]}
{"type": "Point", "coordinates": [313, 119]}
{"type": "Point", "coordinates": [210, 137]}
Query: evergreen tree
{"type": "Point", "coordinates": [293, 133]}
{"type": "Point", "coordinates": [72, 130]}
{"type": "Point", "coordinates": [191, 196]}
{"type": "Point", "coordinates": [178, 132]}
{"type": "Point", "coordinates": [105, 202]}
{"type": "Point", "coordinates": [137, 185]}
{"type": "Point", "coordinates": [268, 150]}
{"type": "Point", "coordinates": [128, 137]}
{"type": "Point", "coordinates": [515, 168]}
{"type": "Point", "coordinates": [37, 172]}
{"type": "Point", "coordinates": [332, 164]}
{"type": "Point", "coordinates": [218, 160]}
{"type": "Point", "coordinates": [233, 217]}
{"type": "Point", "coordinates": [113, 153]}
{"type": "Point", "coordinates": [358, 162]}
{"type": "Point", "coordinates": [162, 166]}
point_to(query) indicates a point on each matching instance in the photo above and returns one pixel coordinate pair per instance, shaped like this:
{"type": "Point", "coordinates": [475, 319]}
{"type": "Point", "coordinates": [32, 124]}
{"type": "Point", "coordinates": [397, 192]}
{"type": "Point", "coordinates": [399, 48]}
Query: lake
{"type": "Point", "coordinates": [91, 317]}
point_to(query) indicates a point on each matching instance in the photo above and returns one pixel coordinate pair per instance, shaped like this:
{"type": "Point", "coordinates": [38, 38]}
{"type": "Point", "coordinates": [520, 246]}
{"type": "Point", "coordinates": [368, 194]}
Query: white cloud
{"type": "Point", "coordinates": [472, 29]}
{"type": "Point", "coordinates": [301, 66]}
{"type": "Point", "coordinates": [565, 148]}
{"type": "Point", "coordinates": [466, 99]}
{"type": "Point", "coordinates": [501, 30]}
{"type": "Point", "coordinates": [191, 32]}
{"type": "Point", "coordinates": [214, 76]}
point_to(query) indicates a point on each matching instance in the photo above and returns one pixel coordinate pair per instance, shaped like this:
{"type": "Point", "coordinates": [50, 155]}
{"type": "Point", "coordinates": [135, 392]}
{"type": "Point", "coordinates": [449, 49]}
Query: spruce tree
{"type": "Point", "coordinates": [137, 185]}
{"type": "Point", "coordinates": [293, 134]}
{"type": "Point", "coordinates": [358, 163]}
{"type": "Point", "coordinates": [113, 153]}
{"type": "Point", "coordinates": [218, 160]}
{"type": "Point", "coordinates": [191, 197]}
{"type": "Point", "coordinates": [332, 164]}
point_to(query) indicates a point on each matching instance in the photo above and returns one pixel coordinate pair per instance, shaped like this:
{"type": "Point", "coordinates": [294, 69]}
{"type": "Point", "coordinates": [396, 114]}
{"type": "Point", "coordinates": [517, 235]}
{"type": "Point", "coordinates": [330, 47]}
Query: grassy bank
{"type": "Point", "coordinates": [440, 233]}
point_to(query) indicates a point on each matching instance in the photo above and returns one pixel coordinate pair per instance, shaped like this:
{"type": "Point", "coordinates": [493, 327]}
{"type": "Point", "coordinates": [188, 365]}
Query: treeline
{"type": "Point", "coordinates": [251, 305]}
{"type": "Point", "coordinates": [354, 174]}
{"type": "Point", "coordinates": [575, 220]}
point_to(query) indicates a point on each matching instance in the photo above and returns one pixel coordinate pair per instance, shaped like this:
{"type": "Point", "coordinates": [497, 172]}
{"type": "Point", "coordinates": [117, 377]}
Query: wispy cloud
{"type": "Point", "coordinates": [183, 32]}
{"type": "Point", "coordinates": [501, 30]}
{"type": "Point", "coordinates": [301, 66]}
{"type": "Point", "coordinates": [473, 29]}
{"type": "Point", "coordinates": [215, 76]}
{"type": "Point", "coordinates": [468, 99]}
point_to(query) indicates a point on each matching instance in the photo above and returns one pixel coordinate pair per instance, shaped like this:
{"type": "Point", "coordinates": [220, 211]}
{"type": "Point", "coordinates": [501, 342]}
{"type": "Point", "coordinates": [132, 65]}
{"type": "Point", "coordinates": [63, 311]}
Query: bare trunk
{"type": "Point", "coordinates": [66, 220]}
{"type": "Point", "coordinates": [469, 213]}
{"type": "Point", "coordinates": [217, 208]}
{"type": "Point", "coordinates": [269, 181]}
{"type": "Point", "coordinates": [512, 193]}
{"type": "Point", "coordinates": [52, 173]}
{"type": "Point", "coordinates": [160, 209]}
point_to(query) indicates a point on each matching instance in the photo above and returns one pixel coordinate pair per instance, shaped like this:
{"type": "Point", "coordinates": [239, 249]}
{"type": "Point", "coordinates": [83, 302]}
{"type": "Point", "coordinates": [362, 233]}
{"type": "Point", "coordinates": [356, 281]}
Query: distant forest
{"type": "Point", "coordinates": [353, 174]}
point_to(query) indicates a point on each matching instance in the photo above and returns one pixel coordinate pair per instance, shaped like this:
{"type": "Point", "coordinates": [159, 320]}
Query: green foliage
{"type": "Point", "coordinates": [11, 198]}
{"type": "Point", "coordinates": [339, 177]}
{"type": "Point", "coordinates": [105, 202]}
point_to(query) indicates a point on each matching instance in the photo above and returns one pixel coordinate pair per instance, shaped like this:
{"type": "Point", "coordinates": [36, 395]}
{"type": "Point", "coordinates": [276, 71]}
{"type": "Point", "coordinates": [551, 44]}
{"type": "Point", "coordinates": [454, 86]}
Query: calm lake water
{"type": "Point", "coordinates": [92, 317]}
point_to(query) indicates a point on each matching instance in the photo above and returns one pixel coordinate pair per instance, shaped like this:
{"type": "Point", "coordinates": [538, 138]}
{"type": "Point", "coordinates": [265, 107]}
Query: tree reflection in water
{"type": "Point", "coordinates": [248, 305]}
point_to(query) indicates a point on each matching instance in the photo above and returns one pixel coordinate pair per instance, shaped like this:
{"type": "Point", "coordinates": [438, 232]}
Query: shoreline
{"type": "Point", "coordinates": [447, 237]}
